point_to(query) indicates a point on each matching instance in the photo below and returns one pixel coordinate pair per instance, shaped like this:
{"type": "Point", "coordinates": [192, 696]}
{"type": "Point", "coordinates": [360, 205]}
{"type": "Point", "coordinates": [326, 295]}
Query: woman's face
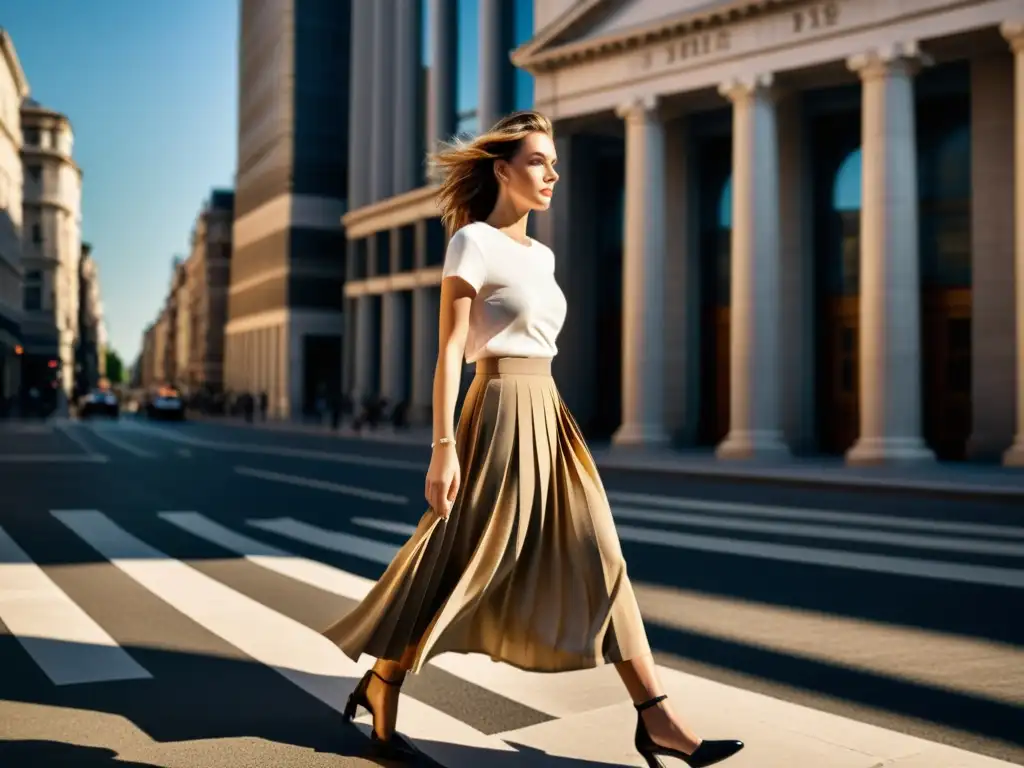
{"type": "Point", "coordinates": [530, 176]}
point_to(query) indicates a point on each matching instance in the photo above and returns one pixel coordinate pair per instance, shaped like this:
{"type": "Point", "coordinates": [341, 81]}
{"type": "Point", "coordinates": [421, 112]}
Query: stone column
{"type": "Point", "coordinates": [383, 106]}
{"type": "Point", "coordinates": [405, 145]}
{"type": "Point", "coordinates": [755, 427]}
{"type": "Point", "coordinates": [441, 83]}
{"type": "Point", "coordinates": [1014, 32]}
{"type": "Point", "coordinates": [361, 99]}
{"type": "Point", "coordinates": [493, 62]}
{"type": "Point", "coordinates": [364, 350]}
{"type": "Point", "coordinates": [890, 291]}
{"type": "Point", "coordinates": [643, 352]}
{"type": "Point", "coordinates": [425, 309]}
{"type": "Point", "coordinates": [392, 340]}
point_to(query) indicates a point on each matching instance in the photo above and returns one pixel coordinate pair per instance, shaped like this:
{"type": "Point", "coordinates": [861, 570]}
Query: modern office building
{"type": "Point", "coordinates": [284, 331]}
{"type": "Point", "coordinates": [209, 275]}
{"type": "Point", "coordinates": [13, 90]}
{"type": "Point", "coordinates": [51, 248]}
{"type": "Point", "coordinates": [792, 226]}
{"type": "Point", "coordinates": [423, 71]}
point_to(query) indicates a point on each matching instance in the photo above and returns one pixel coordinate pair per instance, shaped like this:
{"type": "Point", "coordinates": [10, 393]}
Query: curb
{"type": "Point", "coordinates": [783, 476]}
{"type": "Point", "coordinates": [754, 475]}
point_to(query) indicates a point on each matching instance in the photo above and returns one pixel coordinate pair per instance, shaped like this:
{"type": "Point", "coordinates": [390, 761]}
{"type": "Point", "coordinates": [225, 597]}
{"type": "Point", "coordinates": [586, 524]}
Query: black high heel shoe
{"type": "Point", "coordinates": [394, 748]}
{"type": "Point", "coordinates": [708, 753]}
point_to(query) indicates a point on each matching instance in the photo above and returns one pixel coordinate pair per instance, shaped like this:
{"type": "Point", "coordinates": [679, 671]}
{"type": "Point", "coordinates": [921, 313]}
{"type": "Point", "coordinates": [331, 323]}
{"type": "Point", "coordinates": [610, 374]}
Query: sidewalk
{"type": "Point", "coordinates": [946, 478]}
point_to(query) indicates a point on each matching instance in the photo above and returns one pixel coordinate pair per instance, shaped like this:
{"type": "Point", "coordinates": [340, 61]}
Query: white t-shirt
{"type": "Point", "coordinates": [518, 310]}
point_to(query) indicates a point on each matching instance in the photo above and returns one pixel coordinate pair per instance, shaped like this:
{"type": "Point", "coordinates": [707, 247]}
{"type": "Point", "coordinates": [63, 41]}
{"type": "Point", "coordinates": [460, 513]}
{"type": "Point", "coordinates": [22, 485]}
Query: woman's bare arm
{"type": "Point", "coordinates": [453, 325]}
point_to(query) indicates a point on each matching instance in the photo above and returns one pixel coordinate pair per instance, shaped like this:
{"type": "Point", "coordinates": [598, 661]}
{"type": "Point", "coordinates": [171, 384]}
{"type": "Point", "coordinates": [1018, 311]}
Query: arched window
{"type": "Point", "coordinates": [724, 244]}
{"type": "Point", "coordinates": [725, 205]}
{"type": "Point", "coordinates": [844, 271]}
{"type": "Point", "coordinates": [846, 188]}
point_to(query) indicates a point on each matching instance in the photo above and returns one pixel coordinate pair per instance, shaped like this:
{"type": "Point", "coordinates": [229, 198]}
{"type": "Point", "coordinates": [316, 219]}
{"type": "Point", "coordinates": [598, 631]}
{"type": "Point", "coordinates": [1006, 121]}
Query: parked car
{"type": "Point", "coordinates": [166, 404]}
{"type": "Point", "coordinates": [99, 403]}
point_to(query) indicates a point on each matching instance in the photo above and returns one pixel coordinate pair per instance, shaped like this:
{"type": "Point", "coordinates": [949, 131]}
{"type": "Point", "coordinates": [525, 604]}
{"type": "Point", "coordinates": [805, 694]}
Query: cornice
{"type": "Point", "coordinates": [543, 54]}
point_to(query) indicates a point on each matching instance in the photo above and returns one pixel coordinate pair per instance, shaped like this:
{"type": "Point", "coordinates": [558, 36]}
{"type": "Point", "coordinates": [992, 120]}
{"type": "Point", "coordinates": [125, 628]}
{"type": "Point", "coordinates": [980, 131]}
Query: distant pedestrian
{"type": "Point", "coordinates": [524, 566]}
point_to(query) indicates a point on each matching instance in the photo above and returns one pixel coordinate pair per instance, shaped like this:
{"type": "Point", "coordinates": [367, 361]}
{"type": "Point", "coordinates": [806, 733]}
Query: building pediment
{"type": "Point", "coordinates": [600, 27]}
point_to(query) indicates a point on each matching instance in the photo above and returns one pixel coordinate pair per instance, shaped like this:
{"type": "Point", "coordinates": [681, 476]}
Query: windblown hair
{"type": "Point", "coordinates": [465, 169]}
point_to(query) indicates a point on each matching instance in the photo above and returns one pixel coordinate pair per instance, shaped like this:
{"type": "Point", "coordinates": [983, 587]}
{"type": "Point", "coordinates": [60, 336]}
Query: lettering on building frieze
{"type": "Point", "coordinates": [816, 16]}
{"type": "Point", "coordinates": [687, 48]}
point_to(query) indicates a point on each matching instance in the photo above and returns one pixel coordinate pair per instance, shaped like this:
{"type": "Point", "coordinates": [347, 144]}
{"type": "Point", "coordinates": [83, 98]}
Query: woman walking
{"type": "Point", "coordinates": [517, 556]}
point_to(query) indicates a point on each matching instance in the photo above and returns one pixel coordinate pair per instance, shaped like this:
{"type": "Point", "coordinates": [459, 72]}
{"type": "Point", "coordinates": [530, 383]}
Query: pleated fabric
{"type": "Point", "coordinates": [528, 568]}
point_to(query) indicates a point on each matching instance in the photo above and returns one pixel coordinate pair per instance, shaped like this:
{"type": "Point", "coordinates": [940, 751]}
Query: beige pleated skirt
{"type": "Point", "coordinates": [528, 568]}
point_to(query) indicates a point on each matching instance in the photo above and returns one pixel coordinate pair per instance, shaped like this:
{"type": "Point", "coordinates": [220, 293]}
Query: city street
{"type": "Point", "coordinates": [162, 587]}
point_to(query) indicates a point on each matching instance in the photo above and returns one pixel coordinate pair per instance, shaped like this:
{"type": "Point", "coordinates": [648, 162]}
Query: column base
{"type": "Point", "coordinates": [1014, 456]}
{"type": "Point", "coordinates": [636, 433]}
{"type": "Point", "coordinates": [749, 444]}
{"type": "Point", "coordinates": [889, 450]}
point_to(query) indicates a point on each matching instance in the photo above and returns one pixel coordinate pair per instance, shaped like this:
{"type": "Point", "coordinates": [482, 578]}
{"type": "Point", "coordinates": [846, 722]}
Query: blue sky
{"type": "Point", "coordinates": [150, 88]}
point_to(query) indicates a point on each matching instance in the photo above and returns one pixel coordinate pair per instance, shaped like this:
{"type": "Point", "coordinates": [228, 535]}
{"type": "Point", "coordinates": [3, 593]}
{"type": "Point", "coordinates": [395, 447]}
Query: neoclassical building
{"type": "Point", "coordinates": [782, 227]}
{"type": "Point", "coordinates": [13, 90]}
{"type": "Point", "coordinates": [51, 246]}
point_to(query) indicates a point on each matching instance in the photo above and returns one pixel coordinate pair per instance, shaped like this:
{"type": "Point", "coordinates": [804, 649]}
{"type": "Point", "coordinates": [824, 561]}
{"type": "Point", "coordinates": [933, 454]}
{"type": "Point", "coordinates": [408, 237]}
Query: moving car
{"type": "Point", "coordinates": [166, 404]}
{"type": "Point", "coordinates": [99, 403]}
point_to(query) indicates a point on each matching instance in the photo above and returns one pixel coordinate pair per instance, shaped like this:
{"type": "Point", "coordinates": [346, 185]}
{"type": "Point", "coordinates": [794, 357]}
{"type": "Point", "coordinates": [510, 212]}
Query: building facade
{"type": "Point", "coordinates": [438, 68]}
{"type": "Point", "coordinates": [51, 248]}
{"type": "Point", "coordinates": [809, 223]}
{"type": "Point", "coordinates": [284, 330]}
{"type": "Point", "coordinates": [13, 90]}
{"type": "Point", "coordinates": [91, 347]}
{"type": "Point", "coordinates": [782, 227]}
{"type": "Point", "coordinates": [176, 326]}
{"type": "Point", "coordinates": [209, 274]}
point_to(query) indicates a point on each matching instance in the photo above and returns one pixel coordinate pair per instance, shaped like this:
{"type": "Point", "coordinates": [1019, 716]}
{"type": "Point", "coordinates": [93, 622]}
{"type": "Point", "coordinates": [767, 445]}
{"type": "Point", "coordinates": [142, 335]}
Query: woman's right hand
{"type": "Point", "coordinates": [443, 479]}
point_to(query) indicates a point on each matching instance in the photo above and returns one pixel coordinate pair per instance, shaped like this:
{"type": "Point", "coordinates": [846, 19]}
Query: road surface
{"type": "Point", "coordinates": [162, 587]}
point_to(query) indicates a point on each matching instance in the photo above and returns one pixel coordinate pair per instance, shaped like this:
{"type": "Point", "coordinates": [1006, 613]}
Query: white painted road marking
{"type": "Point", "coordinates": [323, 485]}
{"type": "Point", "coordinates": [64, 641]}
{"type": "Point", "coordinates": [827, 532]}
{"type": "Point", "coordinates": [53, 458]}
{"type": "Point", "coordinates": [119, 443]}
{"type": "Point", "coordinates": [368, 549]}
{"type": "Point", "coordinates": [298, 653]}
{"type": "Point", "coordinates": [817, 515]}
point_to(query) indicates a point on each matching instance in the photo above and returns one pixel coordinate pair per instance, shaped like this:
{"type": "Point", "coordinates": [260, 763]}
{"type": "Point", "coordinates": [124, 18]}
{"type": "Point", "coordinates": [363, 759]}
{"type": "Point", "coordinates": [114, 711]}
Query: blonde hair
{"type": "Point", "coordinates": [465, 168]}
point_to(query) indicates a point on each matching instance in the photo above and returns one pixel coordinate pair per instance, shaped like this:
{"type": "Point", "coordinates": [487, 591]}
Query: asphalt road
{"type": "Point", "coordinates": [179, 567]}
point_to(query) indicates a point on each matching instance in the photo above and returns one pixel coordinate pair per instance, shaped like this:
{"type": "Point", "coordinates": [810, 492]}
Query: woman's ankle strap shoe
{"type": "Point", "coordinates": [708, 753]}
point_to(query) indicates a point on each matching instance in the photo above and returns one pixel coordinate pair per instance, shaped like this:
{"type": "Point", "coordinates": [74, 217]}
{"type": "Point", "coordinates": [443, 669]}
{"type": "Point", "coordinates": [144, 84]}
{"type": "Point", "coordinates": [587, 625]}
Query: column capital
{"type": "Point", "coordinates": [638, 108]}
{"type": "Point", "coordinates": [1013, 31]}
{"type": "Point", "coordinates": [902, 57]}
{"type": "Point", "coordinates": [748, 86]}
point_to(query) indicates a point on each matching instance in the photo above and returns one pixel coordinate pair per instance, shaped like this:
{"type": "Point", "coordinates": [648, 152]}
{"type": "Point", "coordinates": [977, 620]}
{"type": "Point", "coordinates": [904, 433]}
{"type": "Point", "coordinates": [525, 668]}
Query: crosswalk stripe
{"type": "Point", "coordinates": [791, 553]}
{"type": "Point", "coordinates": [557, 696]}
{"type": "Point", "coordinates": [66, 643]}
{"type": "Point", "coordinates": [298, 653]}
{"type": "Point", "coordinates": [323, 485]}
{"type": "Point", "coordinates": [936, 569]}
{"type": "Point", "coordinates": [834, 533]}
{"type": "Point", "coordinates": [119, 443]}
{"type": "Point", "coordinates": [367, 549]}
{"type": "Point", "coordinates": [927, 525]}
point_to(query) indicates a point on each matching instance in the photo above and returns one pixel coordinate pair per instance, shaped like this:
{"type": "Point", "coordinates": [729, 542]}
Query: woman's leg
{"type": "Point", "coordinates": [640, 676]}
{"type": "Point", "coordinates": [383, 697]}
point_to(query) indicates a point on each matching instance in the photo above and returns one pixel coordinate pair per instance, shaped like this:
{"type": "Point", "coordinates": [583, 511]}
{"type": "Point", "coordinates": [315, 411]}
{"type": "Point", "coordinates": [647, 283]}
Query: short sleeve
{"type": "Point", "coordinates": [464, 259]}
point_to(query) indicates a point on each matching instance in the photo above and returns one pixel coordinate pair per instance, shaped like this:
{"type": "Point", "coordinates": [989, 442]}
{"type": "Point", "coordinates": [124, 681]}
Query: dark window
{"type": "Point", "coordinates": [31, 136]}
{"type": "Point", "coordinates": [34, 171]}
{"type": "Point", "coordinates": [407, 244]}
{"type": "Point", "coordinates": [383, 257]}
{"type": "Point", "coordinates": [33, 298]}
{"type": "Point", "coordinates": [37, 233]}
{"type": "Point", "coordinates": [437, 242]}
